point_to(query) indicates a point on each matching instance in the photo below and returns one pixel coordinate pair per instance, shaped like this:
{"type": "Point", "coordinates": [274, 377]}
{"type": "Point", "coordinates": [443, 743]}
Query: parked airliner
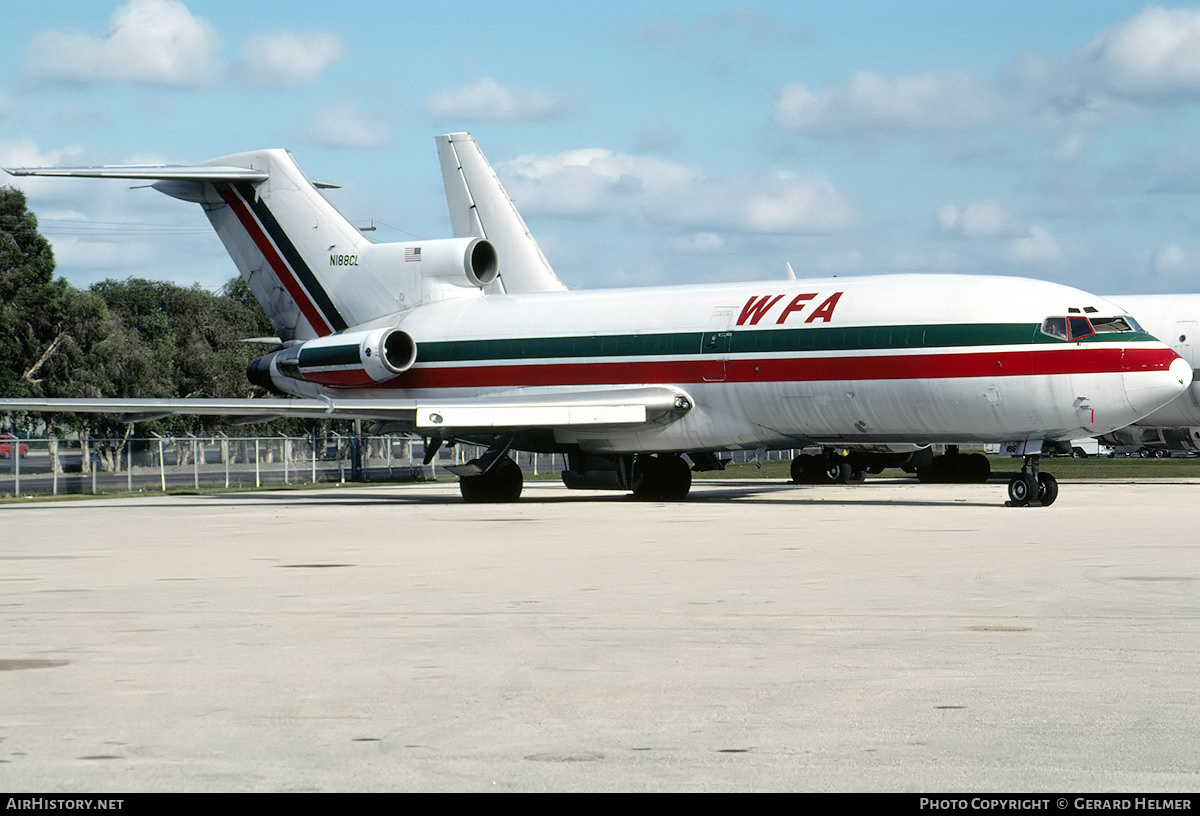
{"type": "Point", "coordinates": [1176, 426]}
{"type": "Point", "coordinates": [474, 339]}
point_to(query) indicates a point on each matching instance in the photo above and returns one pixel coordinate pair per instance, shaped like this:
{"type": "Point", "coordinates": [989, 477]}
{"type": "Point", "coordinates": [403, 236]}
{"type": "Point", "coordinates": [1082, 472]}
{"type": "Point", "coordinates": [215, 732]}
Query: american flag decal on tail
{"type": "Point", "coordinates": [412, 253]}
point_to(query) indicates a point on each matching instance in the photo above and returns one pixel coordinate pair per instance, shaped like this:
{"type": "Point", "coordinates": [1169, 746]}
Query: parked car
{"type": "Point", "coordinates": [6, 446]}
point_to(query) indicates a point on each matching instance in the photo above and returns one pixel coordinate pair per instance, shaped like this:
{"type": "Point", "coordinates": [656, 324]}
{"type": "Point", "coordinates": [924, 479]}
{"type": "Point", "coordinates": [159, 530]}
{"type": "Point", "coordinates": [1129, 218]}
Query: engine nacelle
{"type": "Point", "coordinates": [461, 261]}
{"type": "Point", "coordinates": [339, 360]}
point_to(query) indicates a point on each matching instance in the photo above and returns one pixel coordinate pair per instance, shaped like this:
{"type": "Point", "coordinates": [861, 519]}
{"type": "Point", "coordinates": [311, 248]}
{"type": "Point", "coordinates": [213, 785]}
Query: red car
{"type": "Point", "coordinates": [6, 446]}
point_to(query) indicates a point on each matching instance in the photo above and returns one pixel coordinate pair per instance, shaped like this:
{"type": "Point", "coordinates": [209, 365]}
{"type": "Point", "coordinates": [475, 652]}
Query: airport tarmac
{"type": "Point", "coordinates": [884, 637]}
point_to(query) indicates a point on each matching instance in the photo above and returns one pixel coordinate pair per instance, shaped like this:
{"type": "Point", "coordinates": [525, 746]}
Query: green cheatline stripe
{"type": "Point", "coordinates": [742, 341]}
{"type": "Point", "coordinates": [329, 355]}
{"type": "Point", "coordinates": [295, 261]}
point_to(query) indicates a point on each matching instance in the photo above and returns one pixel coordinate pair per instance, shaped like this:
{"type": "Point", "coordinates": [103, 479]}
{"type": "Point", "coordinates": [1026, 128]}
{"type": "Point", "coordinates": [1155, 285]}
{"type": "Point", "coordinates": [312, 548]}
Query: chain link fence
{"type": "Point", "coordinates": [30, 467]}
{"type": "Point", "coordinates": [50, 466]}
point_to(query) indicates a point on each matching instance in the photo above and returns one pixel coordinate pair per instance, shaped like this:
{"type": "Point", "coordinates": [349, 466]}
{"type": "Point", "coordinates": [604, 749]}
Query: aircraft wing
{"type": "Point", "coordinates": [511, 411]}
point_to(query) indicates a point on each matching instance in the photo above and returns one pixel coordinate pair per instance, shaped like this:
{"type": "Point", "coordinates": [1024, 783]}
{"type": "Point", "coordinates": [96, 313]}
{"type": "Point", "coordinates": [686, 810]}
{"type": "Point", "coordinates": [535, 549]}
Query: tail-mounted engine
{"type": "Point", "coordinates": [339, 360]}
{"type": "Point", "coordinates": [461, 261]}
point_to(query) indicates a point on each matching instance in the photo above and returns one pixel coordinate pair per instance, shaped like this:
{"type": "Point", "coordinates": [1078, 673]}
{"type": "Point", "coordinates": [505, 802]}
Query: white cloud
{"type": "Point", "coordinates": [346, 125]}
{"type": "Point", "coordinates": [152, 42]}
{"type": "Point", "coordinates": [286, 59]}
{"type": "Point", "coordinates": [26, 153]}
{"type": "Point", "coordinates": [101, 228]}
{"type": "Point", "coordinates": [698, 243]}
{"type": "Point", "coordinates": [1036, 248]}
{"type": "Point", "coordinates": [979, 219]}
{"type": "Point", "coordinates": [1174, 264]}
{"type": "Point", "coordinates": [995, 229]}
{"type": "Point", "coordinates": [599, 182]}
{"type": "Point", "coordinates": [1156, 52]}
{"type": "Point", "coordinates": [936, 100]}
{"type": "Point", "coordinates": [486, 99]}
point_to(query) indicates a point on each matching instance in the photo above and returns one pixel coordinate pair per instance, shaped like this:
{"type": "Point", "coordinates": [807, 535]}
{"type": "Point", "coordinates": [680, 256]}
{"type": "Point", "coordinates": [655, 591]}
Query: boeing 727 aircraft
{"type": "Point", "coordinates": [474, 339]}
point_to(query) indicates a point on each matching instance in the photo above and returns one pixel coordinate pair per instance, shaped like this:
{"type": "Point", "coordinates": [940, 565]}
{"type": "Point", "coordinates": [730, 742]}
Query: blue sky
{"type": "Point", "coordinates": [644, 143]}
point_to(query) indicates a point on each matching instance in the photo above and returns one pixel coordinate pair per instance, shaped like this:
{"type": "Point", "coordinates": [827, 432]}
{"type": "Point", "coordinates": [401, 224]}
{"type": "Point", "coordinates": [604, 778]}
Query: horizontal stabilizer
{"type": "Point", "coordinates": [148, 172]}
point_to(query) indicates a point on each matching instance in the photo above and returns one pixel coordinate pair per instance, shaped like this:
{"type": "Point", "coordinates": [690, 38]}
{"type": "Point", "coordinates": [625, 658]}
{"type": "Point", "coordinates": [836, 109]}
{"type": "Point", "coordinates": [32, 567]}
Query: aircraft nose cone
{"type": "Point", "coordinates": [1148, 391]}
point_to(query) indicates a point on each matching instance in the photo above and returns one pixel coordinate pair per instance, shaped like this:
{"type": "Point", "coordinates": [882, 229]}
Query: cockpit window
{"type": "Point", "coordinates": [1068, 328]}
{"type": "Point", "coordinates": [1077, 327]}
{"type": "Point", "coordinates": [1055, 327]}
{"type": "Point", "coordinates": [1106, 325]}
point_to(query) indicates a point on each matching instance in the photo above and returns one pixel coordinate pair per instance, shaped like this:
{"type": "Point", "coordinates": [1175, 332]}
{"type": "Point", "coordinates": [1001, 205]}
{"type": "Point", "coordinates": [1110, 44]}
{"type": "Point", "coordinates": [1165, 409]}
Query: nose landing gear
{"type": "Point", "coordinates": [1031, 487]}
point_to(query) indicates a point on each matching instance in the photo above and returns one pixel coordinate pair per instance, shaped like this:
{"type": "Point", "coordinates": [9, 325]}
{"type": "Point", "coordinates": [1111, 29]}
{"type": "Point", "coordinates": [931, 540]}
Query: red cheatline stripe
{"type": "Point", "coordinates": [346, 378]}
{"type": "Point", "coordinates": [1074, 360]}
{"type": "Point", "coordinates": [282, 271]}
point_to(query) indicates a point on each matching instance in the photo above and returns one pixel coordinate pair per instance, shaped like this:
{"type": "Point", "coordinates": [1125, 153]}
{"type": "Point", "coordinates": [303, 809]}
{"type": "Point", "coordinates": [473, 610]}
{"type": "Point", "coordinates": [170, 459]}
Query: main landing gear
{"type": "Point", "coordinates": [501, 484]}
{"type": "Point", "coordinates": [825, 468]}
{"type": "Point", "coordinates": [953, 467]}
{"type": "Point", "coordinates": [493, 478]}
{"type": "Point", "coordinates": [663, 477]}
{"type": "Point", "coordinates": [1031, 487]}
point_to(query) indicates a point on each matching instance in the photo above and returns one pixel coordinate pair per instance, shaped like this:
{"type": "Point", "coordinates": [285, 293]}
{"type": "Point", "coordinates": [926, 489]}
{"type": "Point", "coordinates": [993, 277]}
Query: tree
{"type": "Point", "coordinates": [134, 338]}
{"type": "Point", "coordinates": [33, 303]}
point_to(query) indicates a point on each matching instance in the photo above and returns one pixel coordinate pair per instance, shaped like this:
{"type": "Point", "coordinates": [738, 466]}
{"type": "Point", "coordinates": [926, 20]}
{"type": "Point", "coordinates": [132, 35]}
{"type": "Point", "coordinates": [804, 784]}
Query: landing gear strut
{"type": "Point", "coordinates": [1031, 487]}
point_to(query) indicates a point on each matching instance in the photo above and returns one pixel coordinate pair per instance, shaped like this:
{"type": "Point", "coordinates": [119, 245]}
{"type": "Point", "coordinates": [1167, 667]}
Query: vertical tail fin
{"type": "Point", "coordinates": [304, 261]}
{"type": "Point", "coordinates": [480, 207]}
{"type": "Point", "coordinates": [314, 272]}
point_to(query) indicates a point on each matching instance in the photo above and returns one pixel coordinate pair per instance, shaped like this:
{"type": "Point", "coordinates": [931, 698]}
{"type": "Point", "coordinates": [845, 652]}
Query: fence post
{"type": "Point", "coordinates": [195, 462]}
{"type": "Point", "coordinates": [162, 465]}
{"type": "Point", "coordinates": [17, 467]}
{"type": "Point", "coordinates": [95, 462]}
{"type": "Point", "coordinates": [285, 458]}
{"type": "Point", "coordinates": [257, 482]}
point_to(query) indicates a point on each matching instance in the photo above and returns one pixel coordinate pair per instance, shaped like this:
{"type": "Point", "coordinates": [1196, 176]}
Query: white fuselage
{"type": "Point", "coordinates": [897, 359]}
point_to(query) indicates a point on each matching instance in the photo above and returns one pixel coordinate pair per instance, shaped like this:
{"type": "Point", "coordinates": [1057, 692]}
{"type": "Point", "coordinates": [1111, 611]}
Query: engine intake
{"type": "Point", "coordinates": [462, 261]}
{"type": "Point", "coordinates": [340, 360]}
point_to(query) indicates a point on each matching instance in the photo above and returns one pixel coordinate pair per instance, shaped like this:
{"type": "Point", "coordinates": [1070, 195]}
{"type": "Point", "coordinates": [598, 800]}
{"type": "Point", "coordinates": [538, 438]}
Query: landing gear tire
{"type": "Point", "coordinates": [800, 468]}
{"type": "Point", "coordinates": [956, 468]}
{"type": "Point", "coordinates": [836, 472]}
{"type": "Point", "coordinates": [1047, 489]}
{"type": "Point", "coordinates": [1022, 488]}
{"type": "Point", "coordinates": [500, 485]}
{"type": "Point", "coordinates": [978, 469]}
{"type": "Point", "coordinates": [809, 469]}
{"type": "Point", "coordinates": [661, 478]}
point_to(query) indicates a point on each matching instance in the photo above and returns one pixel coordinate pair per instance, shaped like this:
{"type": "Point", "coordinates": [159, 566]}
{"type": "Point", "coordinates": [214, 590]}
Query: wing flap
{"type": "Point", "coordinates": [512, 411]}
